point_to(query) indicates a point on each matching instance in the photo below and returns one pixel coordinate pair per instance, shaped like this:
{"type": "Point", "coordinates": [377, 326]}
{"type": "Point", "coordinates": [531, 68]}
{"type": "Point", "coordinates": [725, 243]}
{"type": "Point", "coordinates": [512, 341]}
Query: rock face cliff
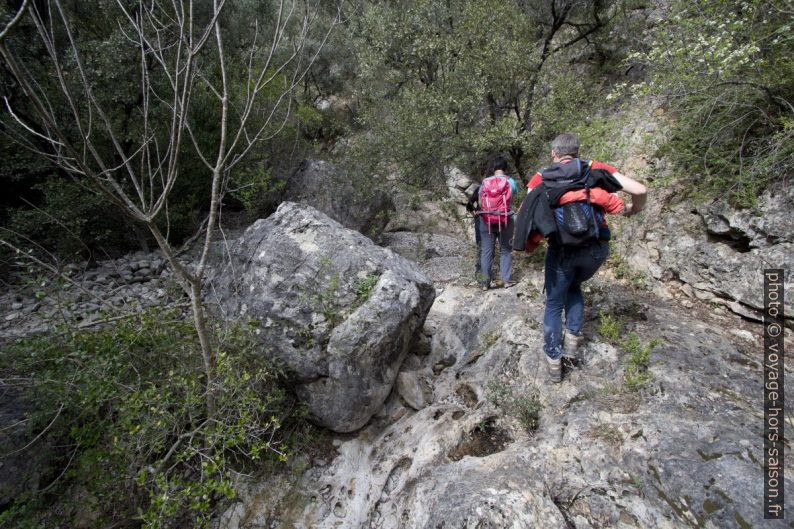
{"type": "Point", "coordinates": [706, 254]}
{"type": "Point", "coordinates": [340, 311]}
{"type": "Point", "coordinates": [712, 254]}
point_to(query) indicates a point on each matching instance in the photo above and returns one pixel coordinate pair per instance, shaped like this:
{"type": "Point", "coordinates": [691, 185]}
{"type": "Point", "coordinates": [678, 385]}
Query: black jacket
{"type": "Point", "coordinates": [535, 213]}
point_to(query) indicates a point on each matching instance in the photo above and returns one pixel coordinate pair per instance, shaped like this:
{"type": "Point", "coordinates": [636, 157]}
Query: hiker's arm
{"type": "Point", "coordinates": [638, 192]}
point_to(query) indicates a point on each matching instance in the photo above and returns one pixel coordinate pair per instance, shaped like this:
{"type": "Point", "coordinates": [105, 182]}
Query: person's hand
{"type": "Point", "coordinates": [628, 211]}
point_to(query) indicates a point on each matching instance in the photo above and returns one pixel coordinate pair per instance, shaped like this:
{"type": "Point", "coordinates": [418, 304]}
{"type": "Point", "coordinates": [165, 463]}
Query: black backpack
{"type": "Point", "coordinates": [577, 222]}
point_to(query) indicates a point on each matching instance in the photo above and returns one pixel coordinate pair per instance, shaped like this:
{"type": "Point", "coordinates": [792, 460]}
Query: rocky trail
{"type": "Point", "coordinates": [472, 435]}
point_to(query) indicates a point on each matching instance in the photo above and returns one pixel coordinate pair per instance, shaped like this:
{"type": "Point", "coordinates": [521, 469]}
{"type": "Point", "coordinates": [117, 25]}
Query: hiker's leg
{"type": "Point", "coordinates": [506, 252]}
{"type": "Point", "coordinates": [574, 308]}
{"type": "Point", "coordinates": [487, 243]}
{"type": "Point", "coordinates": [586, 263]}
{"type": "Point", "coordinates": [478, 239]}
{"type": "Point", "coordinates": [558, 279]}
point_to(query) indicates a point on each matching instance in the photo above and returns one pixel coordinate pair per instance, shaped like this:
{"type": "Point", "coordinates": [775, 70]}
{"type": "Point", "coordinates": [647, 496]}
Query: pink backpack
{"type": "Point", "coordinates": [495, 200]}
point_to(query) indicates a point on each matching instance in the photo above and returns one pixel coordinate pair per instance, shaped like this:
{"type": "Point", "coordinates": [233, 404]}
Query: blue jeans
{"type": "Point", "coordinates": [566, 270]}
{"type": "Point", "coordinates": [489, 233]}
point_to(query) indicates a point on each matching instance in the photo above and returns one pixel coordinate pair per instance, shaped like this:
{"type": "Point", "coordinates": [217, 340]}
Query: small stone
{"type": "Point", "coordinates": [704, 295]}
{"type": "Point", "coordinates": [745, 335]}
{"type": "Point", "coordinates": [413, 389]}
{"type": "Point", "coordinates": [12, 316]}
{"type": "Point", "coordinates": [16, 306]}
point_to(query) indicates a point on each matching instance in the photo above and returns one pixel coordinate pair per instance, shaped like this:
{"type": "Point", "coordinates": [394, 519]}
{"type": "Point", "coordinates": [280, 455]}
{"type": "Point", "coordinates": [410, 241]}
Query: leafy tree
{"type": "Point", "coordinates": [727, 68]}
{"type": "Point", "coordinates": [452, 83]}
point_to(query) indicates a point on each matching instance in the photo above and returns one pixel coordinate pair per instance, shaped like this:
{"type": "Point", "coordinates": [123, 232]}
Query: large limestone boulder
{"type": "Point", "coordinates": [353, 200]}
{"type": "Point", "coordinates": [339, 310]}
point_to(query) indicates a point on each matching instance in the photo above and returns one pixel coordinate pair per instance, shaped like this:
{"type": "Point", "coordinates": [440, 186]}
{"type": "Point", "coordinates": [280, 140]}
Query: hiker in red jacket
{"type": "Point", "coordinates": [568, 266]}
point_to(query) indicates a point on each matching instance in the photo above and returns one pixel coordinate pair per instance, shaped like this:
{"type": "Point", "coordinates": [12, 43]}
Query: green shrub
{"type": "Point", "coordinates": [727, 71]}
{"type": "Point", "coordinates": [128, 403]}
{"type": "Point", "coordinates": [363, 288]}
{"type": "Point", "coordinates": [254, 187]}
{"type": "Point", "coordinates": [609, 327]}
{"type": "Point", "coordinates": [636, 373]}
{"type": "Point", "coordinates": [524, 407]}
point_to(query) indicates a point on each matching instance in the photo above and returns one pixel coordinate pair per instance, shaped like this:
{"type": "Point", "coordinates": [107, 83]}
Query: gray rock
{"type": "Point", "coordinates": [353, 202]}
{"type": "Point", "coordinates": [766, 226]}
{"type": "Point", "coordinates": [297, 272]}
{"type": "Point", "coordinates": [413, 389]}
{"type": "Point", "coordinates": [682, 452]}
{"type": "Point", "coordinates": [458, 183]}
{"type": "Point", "coordinates": [717, 250]}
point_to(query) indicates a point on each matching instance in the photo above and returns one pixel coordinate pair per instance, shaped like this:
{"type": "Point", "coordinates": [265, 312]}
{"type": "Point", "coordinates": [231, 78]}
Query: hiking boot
{"type": "Point", "coordinates": [509, 284]}
{"type": "Point", "coordinates": [555, 370]}
{"type": "Point", "coordinates": [484, 288]}
{"type": "Point", "coordinates": [571, 344]}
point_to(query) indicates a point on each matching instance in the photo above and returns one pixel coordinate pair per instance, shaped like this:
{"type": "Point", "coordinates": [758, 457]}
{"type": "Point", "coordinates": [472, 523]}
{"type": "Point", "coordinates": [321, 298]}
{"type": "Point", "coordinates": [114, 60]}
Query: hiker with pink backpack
{"type": "Point", "coordinates": [495, 221]}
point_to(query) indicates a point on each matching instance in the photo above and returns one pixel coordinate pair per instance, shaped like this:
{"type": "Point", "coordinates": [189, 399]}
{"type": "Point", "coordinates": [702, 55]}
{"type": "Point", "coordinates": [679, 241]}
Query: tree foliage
{"type": "Point", "coordinates": [452, 83]}
{"type": "Point", "coordinates": [727, 68]}
{"type": "Point", "coordinates": [95, 45]}
{"type": "Point", "coordinates": [121, 412]}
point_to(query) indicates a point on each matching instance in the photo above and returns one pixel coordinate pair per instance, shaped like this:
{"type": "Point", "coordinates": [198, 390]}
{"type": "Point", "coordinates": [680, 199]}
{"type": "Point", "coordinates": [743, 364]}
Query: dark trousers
{"type": "Point", "coordinates": [566, 269]}
{"type": "Point", "coordinates": [489, 234]}
{"type": "Point", "coordinates": [477, 266]}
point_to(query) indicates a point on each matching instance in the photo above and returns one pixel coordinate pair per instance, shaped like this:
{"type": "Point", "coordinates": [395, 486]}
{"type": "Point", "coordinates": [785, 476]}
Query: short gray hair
{"type": "Point", "coordinates": [566, 145]}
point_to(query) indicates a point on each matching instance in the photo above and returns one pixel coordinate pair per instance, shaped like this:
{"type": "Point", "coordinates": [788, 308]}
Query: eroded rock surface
{"type": "Point", "coordinates": [714, 253]}
{"type": "Point", "coordinates": [495, 445]}
{"type": "Point", "coordinates": [337, 309]}
{"type": "Point", "coordinates": [683, 450]}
